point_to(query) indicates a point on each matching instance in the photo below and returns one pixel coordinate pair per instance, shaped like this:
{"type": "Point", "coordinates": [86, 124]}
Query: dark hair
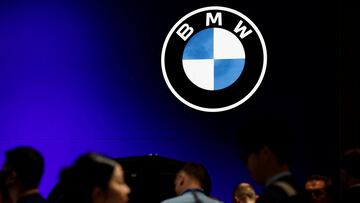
{"type": "Point", "coordinates": [198, 172]}
{"type": "Point", "coordinates": [274, 134]}
{"type": "Point", "coordinates": [27, 163]}
{"type": "Point", "coordinates": [351, 163]}
{"type": "Point", "coordinates": [88, 172]}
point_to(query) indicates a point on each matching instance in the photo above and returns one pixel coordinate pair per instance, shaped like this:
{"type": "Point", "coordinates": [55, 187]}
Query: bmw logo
{"type": "Point", "coordinates": [214, 59]}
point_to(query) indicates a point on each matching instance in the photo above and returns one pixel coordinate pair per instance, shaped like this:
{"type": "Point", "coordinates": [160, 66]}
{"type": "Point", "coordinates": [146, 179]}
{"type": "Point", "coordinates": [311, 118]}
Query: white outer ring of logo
{"type": "Point", "coordinates": [232, 105]}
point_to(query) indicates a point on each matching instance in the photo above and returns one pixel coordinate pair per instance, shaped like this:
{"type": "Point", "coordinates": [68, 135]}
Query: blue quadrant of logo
{"type": "Point", "coordinates": [200, 46]}
{"type": "Point", "coordinates": [226, 72]}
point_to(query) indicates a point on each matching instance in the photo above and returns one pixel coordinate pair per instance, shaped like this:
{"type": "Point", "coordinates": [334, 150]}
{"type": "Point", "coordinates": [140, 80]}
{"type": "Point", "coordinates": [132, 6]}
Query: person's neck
{"type": "Point", "coordinates": [192, 187]}
{"type": "Point", "coordinates": [277, 168]}
{"type": "Point", "coordinates": [29, 192]}
{"type": "Point", "coordinates": [17, 193]}
{"type": "Point", "coordinates": [276, 171]}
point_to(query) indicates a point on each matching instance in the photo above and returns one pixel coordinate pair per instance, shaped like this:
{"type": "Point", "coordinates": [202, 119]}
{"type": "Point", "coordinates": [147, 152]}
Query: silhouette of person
{"type": "Point", "coordinates": [320, 189]}
{"type": "Point", "coordinates": [94, 179]}
{"type": "Point", "coordinates": [22, 171]}
{"type": "Point", "coordinates": [244, 193]}
{"type": "Point", "coordinates": [192, 185]}
{"type": "Point", "coordinates": [350, 173]}
{"type": "Point", "coordinates": [265, 149]}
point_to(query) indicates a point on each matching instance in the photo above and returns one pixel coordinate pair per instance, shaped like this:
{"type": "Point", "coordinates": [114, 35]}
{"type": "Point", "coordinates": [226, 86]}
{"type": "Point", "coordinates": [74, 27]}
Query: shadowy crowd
{"type": "Point", "coordinates": [265, 150]}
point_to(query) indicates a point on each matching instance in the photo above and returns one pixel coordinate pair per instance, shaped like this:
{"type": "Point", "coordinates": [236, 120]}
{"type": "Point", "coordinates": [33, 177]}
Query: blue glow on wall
{"type": "Point", "coordinates": [71, 82]}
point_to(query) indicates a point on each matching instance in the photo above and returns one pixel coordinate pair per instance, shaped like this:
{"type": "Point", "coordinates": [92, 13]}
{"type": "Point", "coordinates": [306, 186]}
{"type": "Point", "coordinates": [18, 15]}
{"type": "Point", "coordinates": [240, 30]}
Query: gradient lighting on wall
{"type": "Point", "coordinates": [67, 87]}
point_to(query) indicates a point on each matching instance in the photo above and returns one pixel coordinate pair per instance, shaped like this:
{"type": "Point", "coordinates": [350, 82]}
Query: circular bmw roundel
{"type": "Point", "coordinates": [214, 59]}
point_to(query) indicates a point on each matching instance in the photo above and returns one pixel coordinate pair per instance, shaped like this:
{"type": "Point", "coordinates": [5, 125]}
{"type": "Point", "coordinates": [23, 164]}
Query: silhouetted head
{"type": "Point", "coordinates": [244, 193]}
{"type": "Point", "coordinates": [24, 167]}
{"type": "Point", "coordinates": [191, 176]}
{"type": "Point", "coordinates": [351, 167]}
{"type": "Point", "coordinates": [94, 179]}
{"type": "Point", "coordinates": [265, 148]}
{"type": "Point", "coordinates": [320, 189]}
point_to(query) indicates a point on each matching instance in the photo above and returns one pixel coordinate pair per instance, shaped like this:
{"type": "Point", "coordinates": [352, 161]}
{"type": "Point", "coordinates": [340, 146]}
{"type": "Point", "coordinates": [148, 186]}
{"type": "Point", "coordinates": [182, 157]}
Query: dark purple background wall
{"type": "Point", "coordinates": [79, 76]}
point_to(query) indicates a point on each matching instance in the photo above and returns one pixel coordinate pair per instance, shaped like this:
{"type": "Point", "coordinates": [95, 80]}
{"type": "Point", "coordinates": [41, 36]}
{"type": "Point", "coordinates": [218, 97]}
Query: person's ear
{"type": "Point", "coordinates": [11, 177]}
{"type": "Point", "coordinates": [97, 195]}
{"type": "Point", "coordinates": [266, 152]}
{"type": "Point", "coordinates": [181, 180]}
{"type": "Point", "coordinates": [237, 199]}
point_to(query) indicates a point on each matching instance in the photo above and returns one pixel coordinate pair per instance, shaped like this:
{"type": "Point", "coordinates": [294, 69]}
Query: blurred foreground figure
{"type": "Point", "coordinates": [94, 179]}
